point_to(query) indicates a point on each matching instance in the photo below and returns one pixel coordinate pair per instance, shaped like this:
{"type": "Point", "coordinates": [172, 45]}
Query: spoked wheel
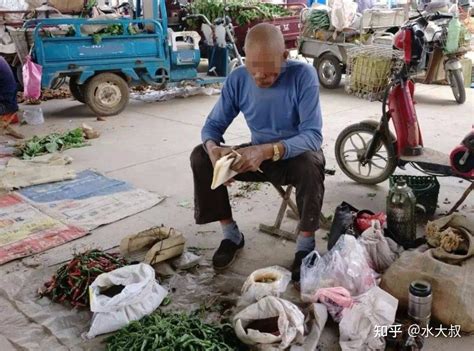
{"type": "Point", "coordinates": [351, 145]}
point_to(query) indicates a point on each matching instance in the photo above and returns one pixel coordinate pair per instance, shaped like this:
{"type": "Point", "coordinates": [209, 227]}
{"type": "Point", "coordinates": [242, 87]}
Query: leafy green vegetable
{"type": "Point", "coordinates": [91, 4]}
{"type": "Point", "coordinates": [51, 143]}
{"type": "Point", "coordinates": [70, 31]}
{"type": "Point", "coordinates": [97, 39]}
{"type": "Point", "coordinates": [215, 8]}
{"type": "Point", "coordinates": [317, 19]}
{"type": "Point", "coordinates": [133, 29]}
{"type": "Point", "coordinates": [112, 29]}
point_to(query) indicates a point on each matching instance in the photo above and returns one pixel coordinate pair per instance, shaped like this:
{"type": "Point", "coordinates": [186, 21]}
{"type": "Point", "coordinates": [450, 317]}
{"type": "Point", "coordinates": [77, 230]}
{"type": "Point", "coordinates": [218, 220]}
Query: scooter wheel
{"type": "Point", "coordinates": [351, 145]}
{"type": "Point", "coordinates": [456, 81]}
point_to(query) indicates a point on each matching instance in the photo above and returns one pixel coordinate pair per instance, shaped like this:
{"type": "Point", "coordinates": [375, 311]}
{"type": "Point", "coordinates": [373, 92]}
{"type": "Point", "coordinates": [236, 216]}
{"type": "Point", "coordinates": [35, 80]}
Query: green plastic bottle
{"type": "Point", "coordinates": [401, 204]}
{"type": "Point", "coordinates": [454, 31]}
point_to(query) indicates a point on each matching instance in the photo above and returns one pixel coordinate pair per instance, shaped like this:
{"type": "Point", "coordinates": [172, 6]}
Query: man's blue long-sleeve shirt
{"type": "Point", "coordinates": [288, 111]}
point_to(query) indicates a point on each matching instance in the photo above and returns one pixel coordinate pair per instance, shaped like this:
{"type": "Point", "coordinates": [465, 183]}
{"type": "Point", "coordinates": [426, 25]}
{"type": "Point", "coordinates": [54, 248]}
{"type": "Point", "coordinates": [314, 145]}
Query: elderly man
{"type": "Point", "coordinates": [8, 89]}
{"type": "Point", "coordinates": [279, 99]}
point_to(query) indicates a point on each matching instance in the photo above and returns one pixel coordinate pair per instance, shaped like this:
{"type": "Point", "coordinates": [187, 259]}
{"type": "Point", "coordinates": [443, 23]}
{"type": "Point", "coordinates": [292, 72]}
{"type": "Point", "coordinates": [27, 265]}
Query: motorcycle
{"type": "Point", "coordinates": [438, 48]}
{"type": "Point", "coordinates": [368, 152]}
{"type": "Point", "coordinates": [221, 32]}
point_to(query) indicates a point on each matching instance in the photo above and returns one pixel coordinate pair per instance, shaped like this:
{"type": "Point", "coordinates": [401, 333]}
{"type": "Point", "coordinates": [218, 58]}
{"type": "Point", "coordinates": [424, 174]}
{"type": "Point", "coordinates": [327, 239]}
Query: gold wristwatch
{"type": "Point", "coordinates": [276, 153]}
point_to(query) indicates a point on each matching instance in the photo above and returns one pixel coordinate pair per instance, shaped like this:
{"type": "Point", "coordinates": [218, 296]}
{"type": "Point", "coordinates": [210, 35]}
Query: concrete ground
{"type": "Point", "coordinates": [149, 145]}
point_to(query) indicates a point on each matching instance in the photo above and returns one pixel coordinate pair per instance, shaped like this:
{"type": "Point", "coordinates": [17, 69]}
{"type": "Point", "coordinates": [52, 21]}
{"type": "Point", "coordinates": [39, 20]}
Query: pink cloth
{"type": "Point", "coordinates": [338, 296]}
{"type": "Point", "coordinates": [335, 299]}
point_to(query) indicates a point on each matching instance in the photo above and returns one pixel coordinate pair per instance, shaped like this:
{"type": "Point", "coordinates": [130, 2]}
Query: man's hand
{"type": "Point", "coordinates": [216, 152]}
{"type": "Point", "coordinates": [252, 158]}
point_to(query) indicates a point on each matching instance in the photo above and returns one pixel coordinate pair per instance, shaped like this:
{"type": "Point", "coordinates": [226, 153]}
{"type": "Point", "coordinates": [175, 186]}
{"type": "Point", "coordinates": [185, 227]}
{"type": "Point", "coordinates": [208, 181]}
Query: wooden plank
{"type": "Point", "coordinates": [277, 232]}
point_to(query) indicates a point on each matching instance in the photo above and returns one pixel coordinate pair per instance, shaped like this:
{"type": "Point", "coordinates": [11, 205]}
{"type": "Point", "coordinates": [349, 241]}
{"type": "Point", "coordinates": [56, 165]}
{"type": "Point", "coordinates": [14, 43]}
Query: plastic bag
{"type": "Point", "coordinates": [342, 223]}
{"type": "Point", "coordinates": [32, 79]}
{"type": "Point", "coordinates": [33, 116]}
{"type": "Point", "coordinates": [315, 322]}
{"type": "Point", "coordinates": [271, 281]}
{"type": "Point", "coordinates": [186, 261]}
{"type": "Point", "coordinates": [335, 300]}
{"type": "Point", "coordinates": [342, 14]}
{"type": "Point", "coordinates": [276, 321]}
{"type": "Point", "coordinates": [344, 265]}
{"type": "Point", "coordinates": [140, 296]}
{"type": "Point", "coordinates": [356, 329]}
{"type": "Point", "coordinates": [379, 253]}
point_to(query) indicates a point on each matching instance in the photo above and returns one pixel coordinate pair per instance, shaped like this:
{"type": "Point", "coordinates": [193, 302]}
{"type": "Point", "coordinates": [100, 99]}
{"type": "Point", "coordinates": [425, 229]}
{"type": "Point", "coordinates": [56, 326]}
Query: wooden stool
{"type": "Point", "coordinates": [286, 201]}
{"type": "Point", "coordinates": [292, 213]}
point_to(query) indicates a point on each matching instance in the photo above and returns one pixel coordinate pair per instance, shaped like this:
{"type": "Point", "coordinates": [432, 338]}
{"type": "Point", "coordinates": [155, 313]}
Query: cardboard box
{"type": "Point", "coordinates": [68, 5]}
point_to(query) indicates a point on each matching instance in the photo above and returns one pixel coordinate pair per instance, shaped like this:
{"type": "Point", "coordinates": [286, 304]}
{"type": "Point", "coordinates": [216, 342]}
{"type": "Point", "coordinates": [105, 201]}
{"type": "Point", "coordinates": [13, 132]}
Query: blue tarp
{"type": "Point", "coordinates": [87, 184]}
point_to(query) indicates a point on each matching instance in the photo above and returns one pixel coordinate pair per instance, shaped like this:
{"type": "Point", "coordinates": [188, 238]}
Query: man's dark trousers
{"type": "Point", "coordinates": [305, 172]}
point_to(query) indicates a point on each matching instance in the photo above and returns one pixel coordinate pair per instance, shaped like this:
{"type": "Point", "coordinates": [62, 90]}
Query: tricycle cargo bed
{"type": "Point", "coordinates": [84, 54]}
{"type": "Point", "coordinates": [314, 48]}
{"type": "Point", "coordinates": [289, 26]}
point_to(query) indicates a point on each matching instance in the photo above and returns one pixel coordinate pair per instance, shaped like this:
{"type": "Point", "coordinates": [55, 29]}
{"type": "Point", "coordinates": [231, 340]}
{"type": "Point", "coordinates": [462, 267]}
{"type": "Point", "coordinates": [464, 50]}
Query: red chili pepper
{"type": "Point", "coordinates": [73, 262]}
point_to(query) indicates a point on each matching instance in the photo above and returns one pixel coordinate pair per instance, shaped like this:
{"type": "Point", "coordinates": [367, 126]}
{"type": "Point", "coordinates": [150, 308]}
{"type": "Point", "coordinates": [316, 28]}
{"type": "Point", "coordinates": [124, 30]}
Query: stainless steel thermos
{"type": "Point", "coordinates": [419, 302]}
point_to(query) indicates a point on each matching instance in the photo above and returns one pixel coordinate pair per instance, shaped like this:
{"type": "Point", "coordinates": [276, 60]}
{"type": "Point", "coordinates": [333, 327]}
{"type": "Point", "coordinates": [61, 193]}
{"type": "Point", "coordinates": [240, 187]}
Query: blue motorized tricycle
{"type": "Point", "coordinates": [103, 57]}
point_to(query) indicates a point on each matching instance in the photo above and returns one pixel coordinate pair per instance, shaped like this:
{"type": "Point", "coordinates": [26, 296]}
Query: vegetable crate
{"type": "Point", "coordinates": [425, 189]}
{"type": "Point", "coordinates": [289, 25]}
{"type": "Point", "coordinates": [368, 70]}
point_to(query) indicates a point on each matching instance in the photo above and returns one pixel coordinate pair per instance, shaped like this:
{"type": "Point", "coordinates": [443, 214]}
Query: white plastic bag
{"type": "Point", "coordinates": [33, 116]}
{"type": "Point", "coordinates": [271, 281]}
{"type": "Point", "coordinates": [345, 265]}
{"type": "Point", "coordinates": [289, 326]}
{"type": "Point", "coordinates": [186, 261]}
{"type": "Point", "coordinates": [140, 297]}
{"type": "Point", "coordinates": [342, 14]}
{"type": "Point", "coordinates": [357, 327]}
{"type": "Point", "coordinates": [379, 253]}
{"type": "Point", "coordinates": [311, 341]}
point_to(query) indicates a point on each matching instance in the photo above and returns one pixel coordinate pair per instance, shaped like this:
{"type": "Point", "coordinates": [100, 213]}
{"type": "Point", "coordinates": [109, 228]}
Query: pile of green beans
{"type": "Point", "coordinates": [174, 331]}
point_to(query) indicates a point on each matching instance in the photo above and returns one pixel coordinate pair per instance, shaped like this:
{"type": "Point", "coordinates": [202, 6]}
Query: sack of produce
{"type": "Point", "coordinates": [153, 245]}
{"type": "Point", "coordinates": [452, 285]}
{"type": "Point", "coordinates": [270, 321]}
{"type": "Point", "coordinates": [271, 281]}
{"type": "Point", "coordinates": [123, 295]}
{"type": "Point", "coordinates": [72, 280]}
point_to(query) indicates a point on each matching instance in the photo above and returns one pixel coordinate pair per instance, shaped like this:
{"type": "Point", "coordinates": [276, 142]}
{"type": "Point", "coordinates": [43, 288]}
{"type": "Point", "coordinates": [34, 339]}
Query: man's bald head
{"type": "Point", "coordinates": [265, 37]}
{"type": "Point", "coordinates": [265, 54]}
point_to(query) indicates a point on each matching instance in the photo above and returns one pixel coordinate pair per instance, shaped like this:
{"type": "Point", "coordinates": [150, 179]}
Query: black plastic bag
{"type": "Point", "coordinates": [343, 223]}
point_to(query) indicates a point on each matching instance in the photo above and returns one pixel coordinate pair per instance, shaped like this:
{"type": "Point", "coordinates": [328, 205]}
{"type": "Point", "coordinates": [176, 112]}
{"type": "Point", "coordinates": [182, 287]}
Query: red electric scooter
{"type": "Point", "coordinates": [368, 152]}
